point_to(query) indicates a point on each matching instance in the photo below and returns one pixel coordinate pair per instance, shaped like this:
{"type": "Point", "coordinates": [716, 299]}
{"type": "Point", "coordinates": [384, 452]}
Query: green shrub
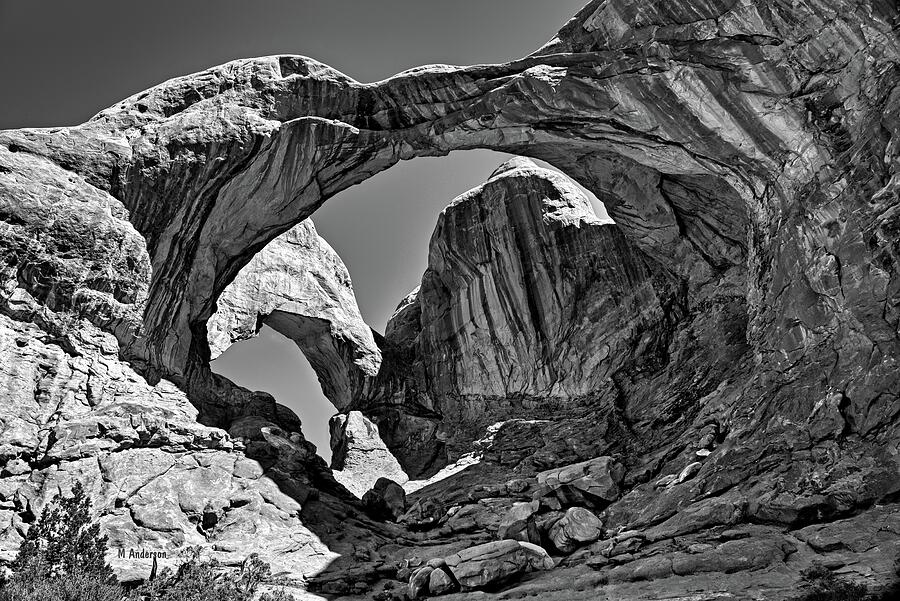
{"type": "Point", "coordinates": [63, 557]}
{"type": "Point", "coordinates": [64, 541]}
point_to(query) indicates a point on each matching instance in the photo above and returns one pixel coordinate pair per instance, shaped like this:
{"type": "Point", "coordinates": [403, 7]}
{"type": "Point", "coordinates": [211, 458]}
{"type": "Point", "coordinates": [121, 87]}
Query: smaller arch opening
{"type": "Point", "coordinates": [272, 363]}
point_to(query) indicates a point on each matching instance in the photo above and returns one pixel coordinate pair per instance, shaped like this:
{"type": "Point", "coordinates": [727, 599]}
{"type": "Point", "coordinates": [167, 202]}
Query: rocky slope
{"type": "Point", "coordinates": [748, 153]}
{"type": "Point", "coordinates": [158, 479]}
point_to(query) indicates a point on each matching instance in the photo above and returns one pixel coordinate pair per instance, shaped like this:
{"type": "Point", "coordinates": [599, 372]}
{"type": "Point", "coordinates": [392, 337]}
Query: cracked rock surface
{"type": "Point", "coordinates": [158, 479]}
{"type": "Point", "coordinates": [731, 341]}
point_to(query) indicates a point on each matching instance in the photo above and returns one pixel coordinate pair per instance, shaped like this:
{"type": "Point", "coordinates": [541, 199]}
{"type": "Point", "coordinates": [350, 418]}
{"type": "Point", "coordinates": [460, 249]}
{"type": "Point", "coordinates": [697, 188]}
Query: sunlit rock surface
{"type": "Point", "coordinates": [530, 302]}
{"type": "Point", "coordinates": [748, 153]}
{"type": "Point", "coordinates": [299, 286]}
{"type": "Point", "coordinates": [359, 456]}
{"type": "Point", "coordinates": [158, 480]}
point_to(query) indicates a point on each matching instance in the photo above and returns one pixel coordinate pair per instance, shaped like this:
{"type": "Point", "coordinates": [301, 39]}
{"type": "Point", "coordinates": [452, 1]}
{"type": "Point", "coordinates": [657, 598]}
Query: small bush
{"type": "Point", "coordinates": [64, 541]}
{"type": "Point", "coordinates": [826, 586]}
{"type": "Point", "coordinates": [63, 559]}
{"type": "Point", "coordinates": [198, 580]}
{"type": "Point", "coordinates": [79, 586]}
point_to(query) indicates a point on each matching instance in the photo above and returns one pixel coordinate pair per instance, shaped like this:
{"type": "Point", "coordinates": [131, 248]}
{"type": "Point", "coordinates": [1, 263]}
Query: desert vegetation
{"type": "Point", "coordinates": [63, 558]}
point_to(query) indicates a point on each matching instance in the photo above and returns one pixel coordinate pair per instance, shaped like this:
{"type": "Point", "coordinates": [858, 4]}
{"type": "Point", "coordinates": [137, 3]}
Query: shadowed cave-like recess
{"type": "Point", "coordinates": [724, 356]}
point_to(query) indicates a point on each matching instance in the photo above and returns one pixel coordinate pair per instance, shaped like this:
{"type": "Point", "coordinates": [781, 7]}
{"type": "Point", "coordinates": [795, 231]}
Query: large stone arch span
{"type": "Point", "coordinates": [709, 129]}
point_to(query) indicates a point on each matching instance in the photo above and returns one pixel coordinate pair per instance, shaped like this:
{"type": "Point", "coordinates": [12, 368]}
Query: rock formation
{"type": "Point", "coordinates": [72, 411]}
{"type": "Point", "coordinates": [529, 303]}
{"type": "Point", "coordinates": [386, 500]}
{"type": "Point", "coordinates": [359, 456]}
{"type": "Point", "coordinates": [300, 287]}
{"type": "Point", "coordinates": [748, 153]}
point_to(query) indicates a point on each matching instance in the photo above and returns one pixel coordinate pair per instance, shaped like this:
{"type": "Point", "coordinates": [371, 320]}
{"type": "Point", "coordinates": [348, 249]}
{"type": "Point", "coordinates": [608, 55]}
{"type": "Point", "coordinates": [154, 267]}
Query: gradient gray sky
{"type": "Point", "coordinates": [61, 62]}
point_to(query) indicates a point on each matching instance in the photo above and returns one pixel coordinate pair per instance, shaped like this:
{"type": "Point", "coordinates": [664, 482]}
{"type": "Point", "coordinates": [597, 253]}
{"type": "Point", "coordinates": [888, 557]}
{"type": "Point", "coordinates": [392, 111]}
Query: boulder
{"type": "Point", "coordinates": [576, 528]}
{"type": "Point", "coordinates": [520, 523]}
{"type": "Point", "coordinates": [358, 455]}
{"type": "Point", "coordinates": [440, 582]}
{"type": "Point", "coordinates": [407, 568]}
{"type": "Point", "coordinates": [495, 563]}
{"type": "Point", "coordinates": [485, 515]}
{"type": "Point", "coordinates": [386, 500]}
{"type": "Point", "coordinates": [593, 483]}
{"type": "Point", "coordinates": [419, 582]}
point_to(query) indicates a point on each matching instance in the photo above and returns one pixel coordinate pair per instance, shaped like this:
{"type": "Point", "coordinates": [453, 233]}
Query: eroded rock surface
{"type": "Point", "coordinates": [748, 153]}
{"type": "Point", "coordinates": [159, 481]}
{"type": "Point", "coordinates": [299, 286]}
{"type": "Point", "coordinates": [358, 455]}
{"type": "Point", "coordinates": [530, 303]}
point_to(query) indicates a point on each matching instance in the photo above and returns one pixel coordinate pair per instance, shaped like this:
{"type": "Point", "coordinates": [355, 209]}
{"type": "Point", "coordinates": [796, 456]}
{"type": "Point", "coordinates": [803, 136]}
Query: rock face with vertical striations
{"type": "Point", "coordinates": [530, 303]}
{"type": "Point", "coordinates": [732, 341]}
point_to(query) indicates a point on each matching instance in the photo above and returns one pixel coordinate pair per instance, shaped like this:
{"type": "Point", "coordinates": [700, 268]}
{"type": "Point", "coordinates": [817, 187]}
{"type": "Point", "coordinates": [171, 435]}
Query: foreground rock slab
{"type": "Point", "coordinates": [593, 483]}
{"type": "Point", "coordinates": [482, 566]}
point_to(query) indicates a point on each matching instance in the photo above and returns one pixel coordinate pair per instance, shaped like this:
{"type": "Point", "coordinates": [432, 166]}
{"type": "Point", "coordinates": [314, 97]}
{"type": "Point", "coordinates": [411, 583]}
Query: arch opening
{"type": "Point", "coordinates": [298, 286]}
{"type": "Point", "coordinates": [381, 228]}
{"type": "Point", "coordinates": [273, 363]}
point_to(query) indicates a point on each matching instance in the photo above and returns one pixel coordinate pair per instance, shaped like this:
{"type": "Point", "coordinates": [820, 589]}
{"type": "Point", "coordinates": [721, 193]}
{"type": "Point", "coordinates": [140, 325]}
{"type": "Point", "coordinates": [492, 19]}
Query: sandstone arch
{"type": "Point", "coordinates": [749, 150]}
{"type": "Point", "coordinates": [299, 286]}
{"type": "Point", "coordinates": [723, 138]}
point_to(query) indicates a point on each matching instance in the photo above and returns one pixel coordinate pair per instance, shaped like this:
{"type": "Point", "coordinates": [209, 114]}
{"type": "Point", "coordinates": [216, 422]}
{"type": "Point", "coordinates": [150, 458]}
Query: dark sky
{"type": "Point", "coordinates": [63, 61]}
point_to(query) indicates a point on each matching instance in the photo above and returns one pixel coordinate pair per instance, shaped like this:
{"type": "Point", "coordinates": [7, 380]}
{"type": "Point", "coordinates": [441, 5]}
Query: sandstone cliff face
{"type": "Point", "coordinates": [748, 153]}
{"type": "Point", "coordinates": [300, 287]}
{"type": "Point", "coordinates": [529, 305]}
{"type": "Point", "coordinates": [527, 283]}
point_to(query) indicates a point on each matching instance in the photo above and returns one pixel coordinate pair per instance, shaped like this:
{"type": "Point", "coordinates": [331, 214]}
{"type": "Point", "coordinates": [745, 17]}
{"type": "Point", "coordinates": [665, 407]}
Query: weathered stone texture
{"type": "Point", "coordinates": [529, 302]}
{"type": "Point", "coordinates": [747, 151]}
{"type": "Point", "coordinates": [359, 457]}
{"type": "Point", "coordinates": [299, 286]}
{"type": "Point", "coordinates": [158, 480]}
